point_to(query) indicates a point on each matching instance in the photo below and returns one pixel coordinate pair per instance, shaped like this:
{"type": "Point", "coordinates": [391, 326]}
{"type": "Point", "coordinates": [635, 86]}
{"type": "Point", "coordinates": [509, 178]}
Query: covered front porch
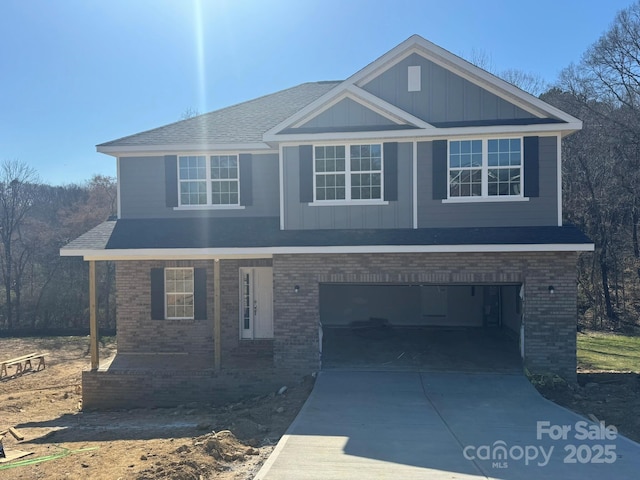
{"type": "Point", "coordinates": [215, 357]}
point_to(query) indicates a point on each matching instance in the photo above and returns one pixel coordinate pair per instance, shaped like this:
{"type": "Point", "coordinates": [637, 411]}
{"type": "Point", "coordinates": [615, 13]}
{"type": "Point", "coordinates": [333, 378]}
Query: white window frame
{"type": "Point", "coordinates": [167, 293]}
{"type": "Point", "coordinates": [348, 172]}
{"type": "Point", "coordinates": [485, 197]}
{"type": "Point", "coordinates": [208, 182]}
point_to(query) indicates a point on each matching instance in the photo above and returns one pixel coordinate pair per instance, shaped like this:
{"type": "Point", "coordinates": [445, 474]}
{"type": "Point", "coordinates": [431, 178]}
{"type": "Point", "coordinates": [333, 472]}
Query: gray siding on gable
{"type": "Point", "coordinates": [538, 211]}
{"type": "Point", "coordinates": [347, 113]}
{"type": "Point", "coordinates": [142, 190]}
{"type": "Point", "coordinates": [299, 216]}
{"type": "Point", "coordinates": [444, 96]}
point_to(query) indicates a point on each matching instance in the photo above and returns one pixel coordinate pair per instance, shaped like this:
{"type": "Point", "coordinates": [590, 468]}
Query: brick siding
{"type": "Point", "coordinates": [139, 333]}
{"type": "Point", "coordinates": [256, 366]}
{"type": "Point", "coordinates": [550, 320]}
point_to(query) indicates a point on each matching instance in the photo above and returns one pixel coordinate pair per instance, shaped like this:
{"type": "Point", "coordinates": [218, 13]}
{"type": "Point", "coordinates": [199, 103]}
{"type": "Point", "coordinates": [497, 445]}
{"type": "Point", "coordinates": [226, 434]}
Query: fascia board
{"type": "Point", "coordinates": [268, 252]}
{"type": "Point", "coordinates": [432, 133]}
{"type": "Point", "coordinates": [141, 150]}
{"type": "Point", "coordinates": [163, 254]}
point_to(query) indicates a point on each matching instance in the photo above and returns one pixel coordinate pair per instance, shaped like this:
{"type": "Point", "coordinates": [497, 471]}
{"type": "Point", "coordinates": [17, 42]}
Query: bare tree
{"type": "Point", "coordinates": [99, 204]}
{"type": "Point", "coordinates": [17, 193]}
{"type": "Point", "coordinates": [602, 161]}
{"type": "Point", "coordinates": [528, 81]}
{"type": "Point", "coordinates": [481, 59]}
{"type": "Point", "coordinates": [589, 186]}
{"type": "Point", "coordinates": [189, 113]}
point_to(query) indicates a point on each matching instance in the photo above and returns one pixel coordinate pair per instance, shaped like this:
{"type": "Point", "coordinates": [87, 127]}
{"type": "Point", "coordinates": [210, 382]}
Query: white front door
{"type": "Point", "coordinates": [256, 302]}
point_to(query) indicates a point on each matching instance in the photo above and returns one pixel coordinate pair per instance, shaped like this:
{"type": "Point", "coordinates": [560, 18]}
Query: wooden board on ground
{"type": "Point", "coordinates": [16, 434]}
{"type": "Point", "coordinates": [13, 455]}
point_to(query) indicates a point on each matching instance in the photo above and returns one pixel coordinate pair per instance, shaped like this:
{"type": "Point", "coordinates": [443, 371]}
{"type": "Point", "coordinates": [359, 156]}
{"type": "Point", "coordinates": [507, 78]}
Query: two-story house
{"type": "Point", "coordinates": [422, 190]}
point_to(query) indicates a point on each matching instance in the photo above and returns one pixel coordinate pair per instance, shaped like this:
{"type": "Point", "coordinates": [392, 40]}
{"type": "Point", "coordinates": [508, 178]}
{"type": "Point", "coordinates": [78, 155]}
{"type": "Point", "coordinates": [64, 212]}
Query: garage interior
{"type": "Point", "coordinates": [421, 327]}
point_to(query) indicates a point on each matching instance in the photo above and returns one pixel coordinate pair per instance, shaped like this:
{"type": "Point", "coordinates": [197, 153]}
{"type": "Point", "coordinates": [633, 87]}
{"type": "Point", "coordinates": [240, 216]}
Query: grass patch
{"type": "Point", "coordinates": [608, 352]}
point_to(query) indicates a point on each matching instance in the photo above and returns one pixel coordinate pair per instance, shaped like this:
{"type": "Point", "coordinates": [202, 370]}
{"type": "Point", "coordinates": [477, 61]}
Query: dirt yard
{"type": "Point", "coordinates": [610, 396]}
{"type": "Point", "coordinates": [193, 441]}
{"type": "Point", "coordinates": [188, 442]}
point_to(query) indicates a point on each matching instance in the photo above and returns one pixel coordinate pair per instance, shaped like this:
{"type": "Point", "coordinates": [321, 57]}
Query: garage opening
{"type": "Point", "coordinates": [421, 327]}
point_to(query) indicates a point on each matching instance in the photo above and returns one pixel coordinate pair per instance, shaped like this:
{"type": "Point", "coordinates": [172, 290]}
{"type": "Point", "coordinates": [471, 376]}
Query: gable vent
{"type": "Point", "coordinates": [414, 74]}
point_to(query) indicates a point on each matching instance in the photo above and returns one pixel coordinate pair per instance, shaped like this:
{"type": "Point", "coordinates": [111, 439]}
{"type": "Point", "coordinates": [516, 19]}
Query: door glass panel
{"type": "Point", "coordinates": [246, 302]}
{"type": "Point", "coordinates": [256, 302]}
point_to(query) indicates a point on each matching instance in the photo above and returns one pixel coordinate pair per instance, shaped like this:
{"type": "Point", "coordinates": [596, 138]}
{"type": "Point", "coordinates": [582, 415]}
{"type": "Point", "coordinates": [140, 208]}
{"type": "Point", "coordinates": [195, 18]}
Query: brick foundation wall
{"type": "Point", "coordinates": [550, 320]}
{"type": "Point", "coordinates": [145, 389]}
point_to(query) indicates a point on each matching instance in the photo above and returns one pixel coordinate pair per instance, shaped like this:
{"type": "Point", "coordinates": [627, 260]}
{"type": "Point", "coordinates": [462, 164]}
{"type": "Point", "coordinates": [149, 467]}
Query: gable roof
{"type": "Point", "coordinates": [463, 68]}
{"type": "Point", "coordinates": [257, 124]}
{"type": "Point", "coordinates": [368, 101]}
{"type": "Point", "coordinates": [545, 114]}
{"type": "Point", "coordinates": [244, 123]}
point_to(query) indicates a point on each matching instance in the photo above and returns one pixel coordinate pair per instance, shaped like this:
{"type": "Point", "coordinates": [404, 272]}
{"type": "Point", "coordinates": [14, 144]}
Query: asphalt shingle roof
{"type": "Point", "coordinates": [242, 123]}
{"type": "Point", "coordinates": [265, 232]}
{"type": "Point", "coordinates": [94, 239]}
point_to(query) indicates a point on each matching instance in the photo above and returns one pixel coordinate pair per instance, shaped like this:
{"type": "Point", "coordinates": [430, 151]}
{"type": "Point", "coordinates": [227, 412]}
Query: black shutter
{"type": "Point", "coordinates": [390, 151]}
{"type": "Point", "coordinates": [531, 167]}
{"type": "Point", "coordinates": [439, 173]}
{"type": "Point", "coordinates": [171, 180]}
{"type": "Point", "coordinates": [157, 294]}
{"type": "Point", "coordinates": [200, 293]}
{"type": "Point", "coordinates": [306, 173]}
{"type": "Point", "coordinates": [246, 181]}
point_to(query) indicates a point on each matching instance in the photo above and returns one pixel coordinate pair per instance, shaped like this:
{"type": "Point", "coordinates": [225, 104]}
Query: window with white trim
{"type": "Point", "coordinates": [348, 172]}
{"type": "Point", "coordinates": [178, 289]}
{"type": "Point", "coordinates": [504, 172]}
{"type": "Point", "coordinates": [208, 180]}
{"type": "Point", "coordinates": [485, 168]}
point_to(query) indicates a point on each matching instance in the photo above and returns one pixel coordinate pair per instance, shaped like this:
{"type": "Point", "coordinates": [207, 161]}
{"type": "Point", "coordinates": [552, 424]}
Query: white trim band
{"type": "Point", "coordinates": [268, 252]}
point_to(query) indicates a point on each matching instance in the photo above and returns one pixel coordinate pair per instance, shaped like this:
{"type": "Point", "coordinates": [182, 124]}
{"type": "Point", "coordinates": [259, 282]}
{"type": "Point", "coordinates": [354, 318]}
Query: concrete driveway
{"type": "Point", "coordinates": [409, 425]}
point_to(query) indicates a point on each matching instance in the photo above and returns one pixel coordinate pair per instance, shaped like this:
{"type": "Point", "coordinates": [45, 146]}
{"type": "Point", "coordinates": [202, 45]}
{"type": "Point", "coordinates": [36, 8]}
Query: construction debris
{"type": "Point", "coordinates": [13, 455]}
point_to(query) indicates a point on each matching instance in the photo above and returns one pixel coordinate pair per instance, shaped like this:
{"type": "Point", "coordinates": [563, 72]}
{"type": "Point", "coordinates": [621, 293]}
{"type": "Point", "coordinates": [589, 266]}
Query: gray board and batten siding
{"type": "Point", "coordinates": [299, 215]}
{"type": "Point", "coordinates": [443, 96]}
{"type": "Point", "coordinates": [347, 113]}
{"type": "Point", "coordinates": [144, 195]}
{"type": "Point", "coordinates": [143, 189]}
{"type": "Point", "coordinates": [540, 210]}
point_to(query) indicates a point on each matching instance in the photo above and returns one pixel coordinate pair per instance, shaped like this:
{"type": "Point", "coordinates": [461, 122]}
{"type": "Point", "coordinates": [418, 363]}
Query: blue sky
{"type": "Point", "coordinates": [75, 73]}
